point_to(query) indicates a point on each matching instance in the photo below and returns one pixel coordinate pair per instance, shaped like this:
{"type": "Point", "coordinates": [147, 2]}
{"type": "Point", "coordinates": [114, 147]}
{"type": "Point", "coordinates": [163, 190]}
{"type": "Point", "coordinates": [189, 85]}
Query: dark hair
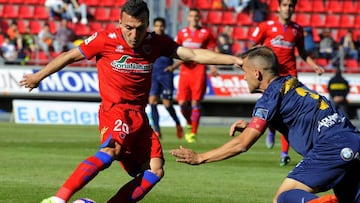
{"type": "Point", "coordinates": [135, 8]}
{"type": "Point", "coordinates": [265, 53]}
{"type": "Point", "coordinates": [160, 19]}
{"type": "Point", "coordinates": [194, 9]}
{"type": "Point", "coordinates": [293, 1]}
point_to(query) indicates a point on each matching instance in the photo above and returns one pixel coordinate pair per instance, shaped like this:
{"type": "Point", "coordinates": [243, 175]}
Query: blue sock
{"type": "Point", "coordinates": [295, 196]}
{"type": "Point", "coordinates": [155, 117]}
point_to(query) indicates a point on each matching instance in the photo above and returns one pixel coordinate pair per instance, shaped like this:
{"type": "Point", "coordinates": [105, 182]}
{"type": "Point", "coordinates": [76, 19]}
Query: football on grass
{"type": "Point", "coordinates": [84, 200]}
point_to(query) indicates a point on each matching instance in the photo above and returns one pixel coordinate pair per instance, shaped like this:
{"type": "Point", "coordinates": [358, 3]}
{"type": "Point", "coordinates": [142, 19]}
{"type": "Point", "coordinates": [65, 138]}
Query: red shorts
{"type": "Point", "coordinates": [129, 126]}
{"type": "Point", "coordinates": [192, 83]}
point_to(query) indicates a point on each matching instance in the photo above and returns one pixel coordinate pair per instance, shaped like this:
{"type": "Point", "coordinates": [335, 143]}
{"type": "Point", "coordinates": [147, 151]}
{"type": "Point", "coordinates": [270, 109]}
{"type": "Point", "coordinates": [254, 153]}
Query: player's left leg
{"type": "Point", "coordinates": [137, 188]}
{"type": "Point", "coordinates": [147, 174]}
{"type": "Point", "coordinates": [302, 196]}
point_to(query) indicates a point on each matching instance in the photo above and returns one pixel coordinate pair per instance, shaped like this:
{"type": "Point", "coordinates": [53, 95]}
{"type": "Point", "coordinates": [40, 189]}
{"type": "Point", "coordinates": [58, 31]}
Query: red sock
{"type": "Point", "coordinates": [136, 189]}
{"type": "Point", "coordinates": [195, 118]}
{"type": "Point", "coordinates": [85, 172]}
{"type": "Point", "coordinates": [284, 144]}
{"type": "Point", "coordinates": [186, 112]}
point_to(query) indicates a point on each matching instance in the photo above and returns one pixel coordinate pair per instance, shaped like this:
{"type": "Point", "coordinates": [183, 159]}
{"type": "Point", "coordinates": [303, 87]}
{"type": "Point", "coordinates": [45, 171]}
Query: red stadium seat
{"type": "Point", "coordinates": [203, 4]}
{"type": "Point", "coordinates": [318, 6]}
{"type": "Point", "coordinates": [273, 5]}
{"type": "Point", "coordinates": [334, 6]}
{"type": "Point", "coordinates": [40, 12]}
{"type": "Point", "coordinates": [21, 26]}
{"type": "Point", "coordinates": [82, 30]}
{"type": "Point", "coordinates": [243, 19]}
{"type": "Point", "coordinates": [110, 26]}
{"type": "Point", "coordinates": [348, 7]}
{"type": "Point", "coordinates": [340, 33]}
{"type": "Point", "coordinates": [304, 6]}
{"type": "Point", "coordinates": [95, 26]}
{"type": "Point", "coordinates": [115, 14]}
{"type": "Point", "coordinates": [351, 66]}
{"type": "Point", "coordinates": [346, 21]}
{"type": "Point", "coordinates": [35, 27]}
{"type": "Point", "coordinates": [303, 19]}
{"type": "Point", "coordinates": [213, 17]}
{"type": "Point", "coordinates": [9, 11]}
{"type": "Point", "coordinates": [240, 33]}
{"type": "Point", "coordinates": [228, 18]}
{"type": "Point", "coordinates": [92, 3]}
{"type": "Point", "coordinates": [357, 21]}
{"type": "Point", "coordinates": [332, 21]}
{"type": "Point", "coordinates": [101, 14]}
{"type": "Point", "coordinates": [317, 20]}
{"type": "Point", "coordinates": [25, 11]}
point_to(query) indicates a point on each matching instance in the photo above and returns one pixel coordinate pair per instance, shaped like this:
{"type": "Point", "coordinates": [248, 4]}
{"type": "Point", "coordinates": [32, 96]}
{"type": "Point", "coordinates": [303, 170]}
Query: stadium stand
{"type": "Point", "coordinates": [337, 15]}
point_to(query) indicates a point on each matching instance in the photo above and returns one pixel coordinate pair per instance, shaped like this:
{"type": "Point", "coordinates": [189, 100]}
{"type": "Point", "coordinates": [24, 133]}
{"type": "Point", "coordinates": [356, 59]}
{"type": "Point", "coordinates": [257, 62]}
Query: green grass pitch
{"type": "Point", "coordinates": [36, 159]}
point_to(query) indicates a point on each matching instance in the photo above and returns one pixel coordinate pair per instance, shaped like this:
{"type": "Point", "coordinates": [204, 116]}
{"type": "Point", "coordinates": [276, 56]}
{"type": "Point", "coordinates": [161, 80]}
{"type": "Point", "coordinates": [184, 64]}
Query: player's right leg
{"type": "Point", "coordinates": [284, 157]}
{"type": "Point", "coordinates": [83, 174]}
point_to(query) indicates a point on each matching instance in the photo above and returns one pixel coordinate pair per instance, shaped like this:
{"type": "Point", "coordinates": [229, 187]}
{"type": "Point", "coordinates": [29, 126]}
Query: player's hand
{"type": "Point", "coordinates": [238, 125]}
{"type": "Point", "coordinates": [184, 155]}
{"type": "Point", "coordinates": [319, 70]}
{"type": "Point", "coordinates": [213, 71]}
{"type": "Point", "coordinates": [30, 81]}
{"type": "Point", "coordinates": [169, 69]}
{"type": "Point", "coordinates": [238, 62]}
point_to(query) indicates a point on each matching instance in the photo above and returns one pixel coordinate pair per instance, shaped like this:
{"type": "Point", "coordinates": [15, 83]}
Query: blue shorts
{"type": "Point", "coordinates": [162, 85]}
{"type": "Point", "coordinates": [333, 163]}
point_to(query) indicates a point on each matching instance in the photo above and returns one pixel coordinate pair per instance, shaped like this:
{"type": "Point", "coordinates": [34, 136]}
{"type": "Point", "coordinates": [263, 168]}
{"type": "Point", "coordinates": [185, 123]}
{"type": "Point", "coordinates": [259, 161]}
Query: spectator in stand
{"type": "Point", "coordinates": [339, 88]}
{"type": "Point", "coordinates": [74, 8]}
{"type": "Point", "coordinates": [64, 37]}
{"type": "Point", "coordinates": [357, 43]}
{"type": "Point", "coordinates": [284, 37]}
{"type": "Point", "coordinates": [238, 5]}
{"type": "Point", "coordinates": [327, 47]}
{"type": "Point", "coordinates": [347, 47]}
{"type": "Point", "coordinates": [8, 51]}
{"type": "Point", "coordinates": [56, 9]}
{"type": "Point", "coordinates": [224, 44]}
{"type": "Point", "coordinates": [45, 40]}
{"type": "Point", "coordinates": [309, 43]}
{"type": "Point", "coordinates": [14, 35]}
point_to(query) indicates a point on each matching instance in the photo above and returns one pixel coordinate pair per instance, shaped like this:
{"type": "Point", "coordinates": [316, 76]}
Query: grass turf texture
{"type": "Point", "coordinates": [36, 159]}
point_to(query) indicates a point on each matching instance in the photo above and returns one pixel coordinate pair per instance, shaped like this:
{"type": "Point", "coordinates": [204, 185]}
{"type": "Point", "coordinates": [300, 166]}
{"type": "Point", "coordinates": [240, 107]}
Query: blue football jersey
{"type": "Point", "coordinates": [301, 114]}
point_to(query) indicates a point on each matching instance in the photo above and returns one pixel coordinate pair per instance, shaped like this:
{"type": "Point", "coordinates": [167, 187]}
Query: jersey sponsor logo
{"type": "Point", "coordinates": [330, 120]}
{"type": "Point", "coordinates": [89, 39]}
{"type": "Point", "coordinates": [347, 154]}
{"type": "Point", "coordinates": [279, 42]}
{"type": "Point", "coordinates": [261, 113]}
{"type": "Point", "coordinates": [124, 65]}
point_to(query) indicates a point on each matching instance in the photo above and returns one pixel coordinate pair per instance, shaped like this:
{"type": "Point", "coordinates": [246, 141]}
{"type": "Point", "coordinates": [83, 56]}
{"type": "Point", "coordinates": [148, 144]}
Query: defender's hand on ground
{"type": "Point", "coordinates": [184, 155]}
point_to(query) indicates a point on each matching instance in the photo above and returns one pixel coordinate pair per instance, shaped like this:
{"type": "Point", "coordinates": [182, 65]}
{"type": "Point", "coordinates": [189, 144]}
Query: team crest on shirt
{"type": "Point", "coordinates": [261, 113]}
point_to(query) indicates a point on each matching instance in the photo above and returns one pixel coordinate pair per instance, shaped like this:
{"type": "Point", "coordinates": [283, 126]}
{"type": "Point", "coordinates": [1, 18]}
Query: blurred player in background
{"type": "Point", "coordinates": [192, 82]}
{"type": "Point", "coordinates": [125, 56]}
{"type": "Point", "coordinates": [162, 84]}
{"type": "Point", "coordinates": [314, 127]}
{"type": "Point", "coordinates": [283, 36]}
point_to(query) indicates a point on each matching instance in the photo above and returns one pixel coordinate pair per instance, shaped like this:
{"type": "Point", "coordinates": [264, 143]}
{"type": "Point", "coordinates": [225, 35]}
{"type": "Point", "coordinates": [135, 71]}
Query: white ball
{"type": "Point", "coordinates": [84, 200]}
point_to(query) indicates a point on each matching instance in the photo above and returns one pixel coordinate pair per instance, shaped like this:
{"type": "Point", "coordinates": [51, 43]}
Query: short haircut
{"type": "Point", "coordinates": [194, 9]}
{"type": "Point", "coordinates": [160, 19]}
{"type": "Point", "coordinates": [135, 8]}
{"type": "Point", "coordinates": [265, 56]}
{"type": "Point", "coordinates": [293, 1]}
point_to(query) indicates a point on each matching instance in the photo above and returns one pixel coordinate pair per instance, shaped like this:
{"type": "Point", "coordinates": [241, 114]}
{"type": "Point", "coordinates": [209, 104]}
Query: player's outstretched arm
{"type": "Point", "coordinates": [205, 56]}
{"type": "Point", "coordinates": [32, 81]}
{"type": "Point", "coordinates": [237, 145]}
